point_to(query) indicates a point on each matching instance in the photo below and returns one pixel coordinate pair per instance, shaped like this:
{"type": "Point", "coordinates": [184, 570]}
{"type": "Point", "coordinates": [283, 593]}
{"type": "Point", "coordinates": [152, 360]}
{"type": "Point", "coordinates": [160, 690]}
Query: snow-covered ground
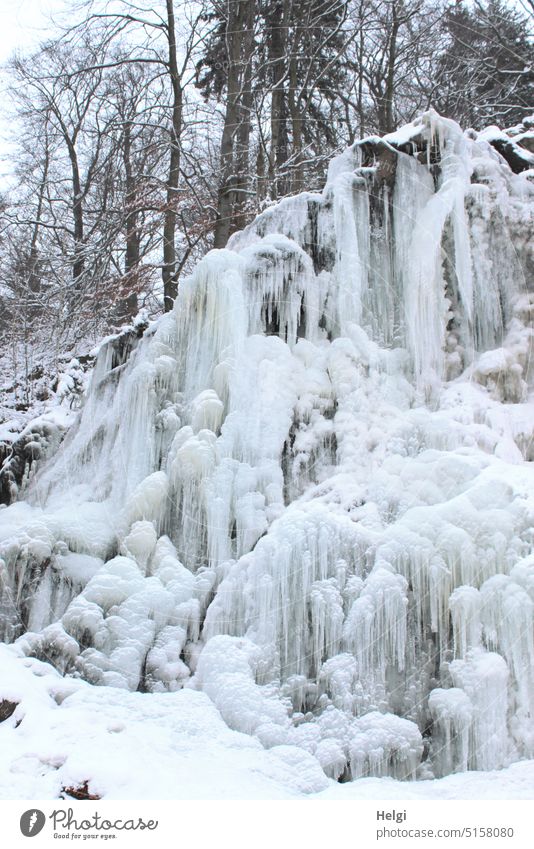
{"type": "Point", "coordinates": [65, 732]}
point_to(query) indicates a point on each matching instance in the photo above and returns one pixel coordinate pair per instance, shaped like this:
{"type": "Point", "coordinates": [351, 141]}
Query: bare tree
{"type": "Point", "coordinates": [152, 31]}
{"type": "Point", "coordinates": [63, 106]}
{"type": "Point", "coordinates": [484, 72]}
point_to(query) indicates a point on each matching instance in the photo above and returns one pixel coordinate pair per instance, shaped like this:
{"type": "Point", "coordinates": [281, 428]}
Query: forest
{"type": "Point", "coordinates": [145, 133]}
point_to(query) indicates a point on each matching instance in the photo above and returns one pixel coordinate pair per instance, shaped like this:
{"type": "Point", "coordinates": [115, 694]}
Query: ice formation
{"type": "Point", "coordinates": [307, 491]}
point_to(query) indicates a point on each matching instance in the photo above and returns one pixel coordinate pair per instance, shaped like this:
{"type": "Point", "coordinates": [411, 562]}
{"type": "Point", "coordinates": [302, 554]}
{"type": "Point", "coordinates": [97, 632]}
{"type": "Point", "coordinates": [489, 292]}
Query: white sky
{"type": "Point", "coordinates": [23, 23]}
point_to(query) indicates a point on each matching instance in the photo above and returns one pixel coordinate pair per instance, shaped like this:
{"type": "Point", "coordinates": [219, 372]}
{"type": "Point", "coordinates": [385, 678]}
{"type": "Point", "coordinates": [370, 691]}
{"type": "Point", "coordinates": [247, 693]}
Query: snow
{"type": "Point", "coordinates": [484, 677]}
{"type": "Point", "coordinates": [130, 745]}
{"type": "Point", "coordinates": [384, 744]}
{"type": "Point", "coordinates": [301, 504]}
{"type": "Point", "coordinates": [452, 713]}
{"type": "Point", "coordinates": [65, 732]}
{"type": "Point", "coordinates": [512, 783]}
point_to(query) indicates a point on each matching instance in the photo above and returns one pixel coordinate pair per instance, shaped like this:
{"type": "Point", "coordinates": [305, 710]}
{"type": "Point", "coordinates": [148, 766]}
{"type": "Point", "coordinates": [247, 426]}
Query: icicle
{"type": "Point", "coordinates": [384, 744]}
{"type": "Point", "coordinates": [465, 603]}
{"type": "Point", "coordinates": [452, 714]}
{"type": "Point", "coordinates": [351, 224]}
{"type": "Point", "coordinates": [484, 677]}
{"type": "Point", "coordinates": [508, 618]}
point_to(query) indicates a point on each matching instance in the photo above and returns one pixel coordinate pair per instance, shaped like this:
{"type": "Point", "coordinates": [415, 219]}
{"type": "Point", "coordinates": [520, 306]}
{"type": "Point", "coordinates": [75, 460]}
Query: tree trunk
{"type": "Point", "coordinates": [34, 275]}
{"type": "Point", "coordinates": [278, 151]}
{"type": "Point", "coordinates": [236, 34]}
{"type": "Point", "coordinates": [131, 259]}
{"type": "Point", "coordinates": [387, 120]}
{"type": "Point", "coordinates": [361, 111]}
{"type": "Point", "coordinates": [127, 306]}
{"type": "Point", "coordinates": [261, 177]}
{"type": "Point", "coordinates": [77, 214]}
{"type": "Point", "coordinates": [170, 282]}
{"type": "Point", "coordinates": [242, 181]}
{"type": "Point", "coordinates": [297, 180]}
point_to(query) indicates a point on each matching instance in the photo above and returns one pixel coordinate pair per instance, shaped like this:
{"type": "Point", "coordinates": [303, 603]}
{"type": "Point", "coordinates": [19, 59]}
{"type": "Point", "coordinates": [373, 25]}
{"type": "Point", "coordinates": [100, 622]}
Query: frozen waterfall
{"type": "Point", "coordinates": [309, 490]}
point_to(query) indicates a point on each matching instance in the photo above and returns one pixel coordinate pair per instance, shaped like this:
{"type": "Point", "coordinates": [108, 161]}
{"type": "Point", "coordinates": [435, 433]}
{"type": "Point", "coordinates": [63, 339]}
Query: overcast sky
{"type": "Point", "coordinates": [23, 23]}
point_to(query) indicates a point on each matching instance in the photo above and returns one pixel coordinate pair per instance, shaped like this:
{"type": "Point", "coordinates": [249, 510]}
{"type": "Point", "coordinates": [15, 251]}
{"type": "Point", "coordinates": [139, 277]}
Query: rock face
{"type": "Point", "coordinates": [306, 491]}
{"type": "Point", "coordinates": [7, 709]}
{"type": "Point", "coordinates": [20, 459]}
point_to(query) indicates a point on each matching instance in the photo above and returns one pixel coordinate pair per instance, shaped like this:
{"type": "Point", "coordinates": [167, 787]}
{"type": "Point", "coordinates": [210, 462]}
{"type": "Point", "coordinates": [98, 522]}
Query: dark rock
{"type": "Point", "coordinates": [81, 793]}
{"type": "Point", "coordinates": [7, 709]}
{"type": "Point", "coordinates": [35, 443]}
{"type": "Point", "coordinates": [519, 159]}
{"type": "Point", "coordinates": [123, 344]}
